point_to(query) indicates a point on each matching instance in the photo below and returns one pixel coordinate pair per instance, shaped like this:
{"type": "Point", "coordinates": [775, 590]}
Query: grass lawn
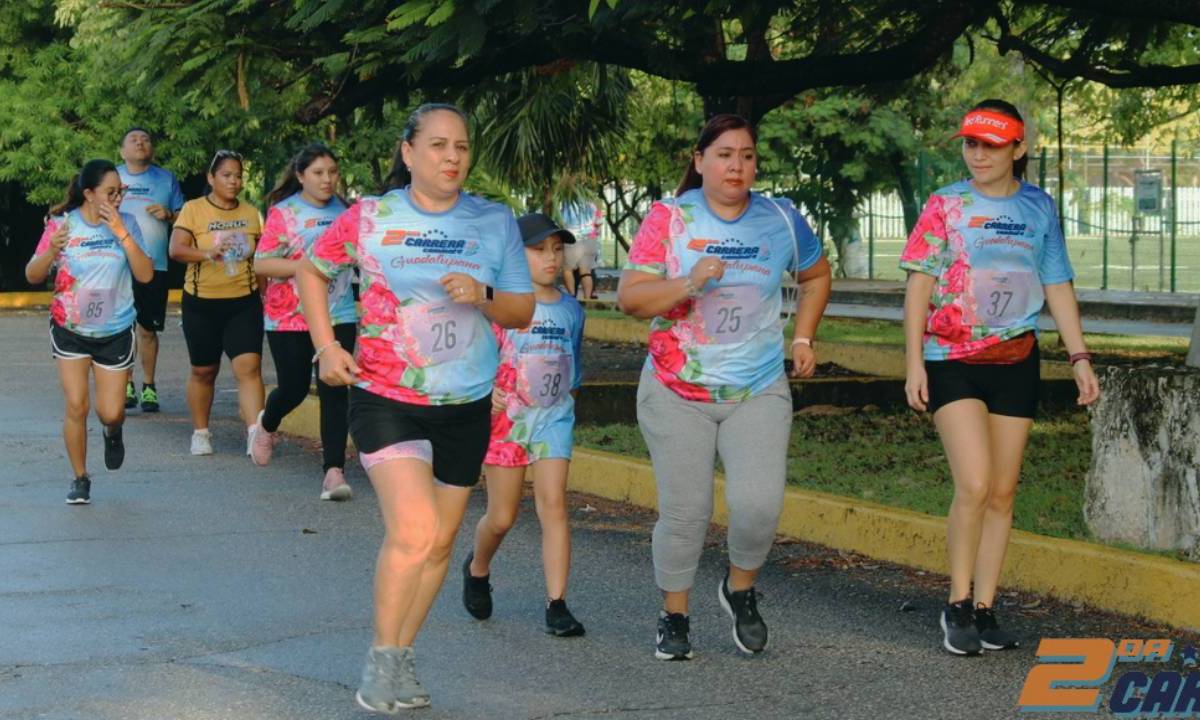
{"type": "Point", "coordinates": [896, 459]}
{"type": "Point", "coordinates": [888, 332]}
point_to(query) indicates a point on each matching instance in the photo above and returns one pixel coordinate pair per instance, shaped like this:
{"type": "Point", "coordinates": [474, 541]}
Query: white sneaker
{"type": "Point", "coordinates": [201, 442]}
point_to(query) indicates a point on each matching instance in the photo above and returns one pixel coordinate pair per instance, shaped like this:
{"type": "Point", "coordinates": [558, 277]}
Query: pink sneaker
{"type": "Point", "coordinates": [335, 487]}
{"type": "Point", "coordinates": [262, 443]}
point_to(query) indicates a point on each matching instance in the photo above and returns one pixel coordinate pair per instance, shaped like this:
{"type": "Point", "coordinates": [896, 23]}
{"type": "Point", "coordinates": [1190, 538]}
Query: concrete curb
{"type": "Point", "coordinates": [1156, 588]}
{"type": "Point", "coordinates": [873, 360]}
{"type": "Point", "coordinates": [42, 298]}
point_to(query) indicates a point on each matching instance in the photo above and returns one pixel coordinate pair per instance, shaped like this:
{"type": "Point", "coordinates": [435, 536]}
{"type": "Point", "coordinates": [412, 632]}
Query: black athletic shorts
{"type": "Point", "coordinates": [115, 352]}
{"type": "Point", "coordinates": [215, 325]}
{"type": "Point", "coordinates": [459, 434]}
{"type": "Point", "coordinates": [150, 299]}
{"type": "Point", "coordinates": [1010, 390]}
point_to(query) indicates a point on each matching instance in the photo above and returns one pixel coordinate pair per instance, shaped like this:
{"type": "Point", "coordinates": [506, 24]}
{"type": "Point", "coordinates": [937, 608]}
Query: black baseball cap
{"type": "Point", "coordinates": [536, 227]}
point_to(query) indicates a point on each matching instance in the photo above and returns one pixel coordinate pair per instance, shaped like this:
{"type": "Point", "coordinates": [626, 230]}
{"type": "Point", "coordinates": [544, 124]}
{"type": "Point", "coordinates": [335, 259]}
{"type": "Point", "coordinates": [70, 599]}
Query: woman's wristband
{"type": "Point", "coordinates": [802, 341]}
{"type": "Point", "coordinates": [1076, 357]}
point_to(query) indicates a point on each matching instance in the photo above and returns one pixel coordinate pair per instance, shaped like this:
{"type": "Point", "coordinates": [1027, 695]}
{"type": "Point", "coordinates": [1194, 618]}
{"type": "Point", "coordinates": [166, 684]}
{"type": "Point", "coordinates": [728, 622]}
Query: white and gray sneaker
{"type": "Point", "coordinates": [389, 681]}
{"type": "Point", "coordinates": [202, 442]}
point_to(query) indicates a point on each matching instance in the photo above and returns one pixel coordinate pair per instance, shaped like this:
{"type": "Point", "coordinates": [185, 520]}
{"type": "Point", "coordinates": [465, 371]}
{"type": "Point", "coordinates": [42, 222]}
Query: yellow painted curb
{"type": "Point", "coordinates": [874, 360]}
{"type": "Point", "coordinates": [1153, 587]}
{"type": "Point", "coordinates": [42, 298]}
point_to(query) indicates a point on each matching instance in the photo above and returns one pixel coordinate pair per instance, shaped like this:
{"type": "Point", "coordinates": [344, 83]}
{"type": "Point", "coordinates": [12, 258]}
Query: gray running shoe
{"type": "Point", "coordinates": [389, 683]}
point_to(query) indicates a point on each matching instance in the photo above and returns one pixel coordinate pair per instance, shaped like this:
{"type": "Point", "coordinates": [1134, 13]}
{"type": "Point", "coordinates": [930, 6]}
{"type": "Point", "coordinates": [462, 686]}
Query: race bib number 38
{"type": "Point", "coordinates": [443, 330]}
{"type": "Point", "coordinates": [544, 380]}
{"type": "Point", "coordinates": [729, 314]}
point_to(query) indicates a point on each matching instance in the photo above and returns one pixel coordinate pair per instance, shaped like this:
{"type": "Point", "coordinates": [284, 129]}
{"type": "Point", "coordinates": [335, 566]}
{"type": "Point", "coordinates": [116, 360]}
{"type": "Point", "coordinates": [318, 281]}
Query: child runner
{"type": "Point", "coordinates": [303, 204]}
{"type": "Point", "coordinates": [437, 265]}
{"type": "Point", "coordinates": [984, 257]}
{"type": "Point", "coordinates": [533, 422]}
{"type": "Point", "coordinates": [98, 252]}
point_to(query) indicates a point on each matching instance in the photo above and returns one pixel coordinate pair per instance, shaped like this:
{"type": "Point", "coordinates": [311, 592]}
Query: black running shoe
{"type": "Point", "coordinates": [672, 641]}
{"type": "Point", "coordinates": [559, 620]}
{"type": "Point", "coordinates": [114, 447]}
{"type": "Point", "coordinates": [81, 491]}
{"type": "Point", "coordinates": [990, 634]}
{"type": "Point", "coordinates": [149, 399]}
{"type": "Point", "coordinates": [477, 592]}
{"type": "Point", "coordinates": [749, 630]}
{"type": "Point", "coordinates": [131, 398]}
{"type": "Point", "coordinates": [959, 635]}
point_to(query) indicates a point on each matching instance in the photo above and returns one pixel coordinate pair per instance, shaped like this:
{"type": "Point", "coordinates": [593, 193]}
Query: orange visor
{"type": "Point", "coordinates": [991, 127]}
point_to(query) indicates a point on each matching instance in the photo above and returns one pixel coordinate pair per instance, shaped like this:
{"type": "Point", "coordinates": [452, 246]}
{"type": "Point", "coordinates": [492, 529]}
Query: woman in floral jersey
{"type": "Point", "coordinates": [984, 257]}
{"type": "Point", "coordinates": [302, 206]}
{"type": "Point", "coordinates": [438, 267]}
{"type": "Point", "coordinates": [98, 252]}
{"type": "Point", "coordinates": [706, 268]}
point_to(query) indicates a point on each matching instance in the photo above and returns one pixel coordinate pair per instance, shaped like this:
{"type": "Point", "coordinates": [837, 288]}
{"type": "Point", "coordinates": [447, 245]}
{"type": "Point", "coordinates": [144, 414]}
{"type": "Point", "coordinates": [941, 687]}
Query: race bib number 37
{"type": "Point", "coordinates": [1002, 297]}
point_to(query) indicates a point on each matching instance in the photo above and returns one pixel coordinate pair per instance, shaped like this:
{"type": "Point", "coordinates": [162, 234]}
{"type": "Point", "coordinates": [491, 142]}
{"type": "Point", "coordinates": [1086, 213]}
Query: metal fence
{"type": "Point", "coordinates": [1115, 241]}
{"type": "Point", "coordinates": [1112, 243]}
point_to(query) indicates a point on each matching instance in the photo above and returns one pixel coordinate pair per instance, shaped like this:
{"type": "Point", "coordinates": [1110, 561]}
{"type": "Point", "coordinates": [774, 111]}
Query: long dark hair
{"type": "Point", "coordinates": [718, 125]}
{"type": "Point", "coordinates": [89, 177]}
{"type": "Point", "coordinates": [289, 180]}
{"type": "Point", "coordinates": [1004, 107]}
{"type": "Point", "coordinates": [399, 176]}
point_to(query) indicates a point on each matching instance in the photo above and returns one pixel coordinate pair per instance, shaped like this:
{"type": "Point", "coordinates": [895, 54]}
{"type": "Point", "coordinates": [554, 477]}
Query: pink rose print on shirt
{"type": "Point", "coordinates": [379, 305]}
{"type": "Point", "coordinates": [58, 313]}
{"type": "Point", "coordinates": [666, 353]}
{"type": "Point", "coordinates": [931, 225]}
{"type": "Point", "coordinates": [946, 324]}
{"type": "Point", "coordinates": [506, 377]}
{"type": "Point", "coordinates": [649, 245]}
{"type": "Point", "coordinates": [952, 209]}
{"type": "Point", "coordinates": [956, 276]}
{"type": "Point", "coordinates": [282, 302]}
{"type": "Point", "coordinates": [502, 451]}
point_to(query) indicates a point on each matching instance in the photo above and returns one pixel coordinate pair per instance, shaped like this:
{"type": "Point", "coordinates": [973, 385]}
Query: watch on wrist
{"type": "Point", "coordinates": [489, 292]}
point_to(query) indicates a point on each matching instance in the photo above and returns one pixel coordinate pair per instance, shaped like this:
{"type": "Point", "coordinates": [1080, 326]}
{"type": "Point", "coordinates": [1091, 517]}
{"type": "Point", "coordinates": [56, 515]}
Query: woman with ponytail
{"type": "Point", "coordinates": [438, 267]}
{"type": "Point", "coordinates": [98, 252]}
{"type": "Point", "coordinates": [706, 268]}
{"type": "Point", "coordinates": [986, 254]}
{"type": "Point", "coordinates": [302, 206]}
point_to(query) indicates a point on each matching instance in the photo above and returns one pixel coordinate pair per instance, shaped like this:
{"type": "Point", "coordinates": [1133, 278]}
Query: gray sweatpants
{"type": "Point", "coordinates": [684, 438]}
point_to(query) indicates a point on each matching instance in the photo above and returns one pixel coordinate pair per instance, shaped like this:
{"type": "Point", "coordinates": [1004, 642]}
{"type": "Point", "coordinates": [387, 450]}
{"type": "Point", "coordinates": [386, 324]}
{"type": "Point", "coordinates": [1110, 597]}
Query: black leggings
{"type": "Point", "coordinates": [292, 352]}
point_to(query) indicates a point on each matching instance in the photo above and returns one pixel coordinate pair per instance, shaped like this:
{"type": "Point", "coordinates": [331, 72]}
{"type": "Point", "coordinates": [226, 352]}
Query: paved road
{"type": "Point", "coordinates": [205, 588]}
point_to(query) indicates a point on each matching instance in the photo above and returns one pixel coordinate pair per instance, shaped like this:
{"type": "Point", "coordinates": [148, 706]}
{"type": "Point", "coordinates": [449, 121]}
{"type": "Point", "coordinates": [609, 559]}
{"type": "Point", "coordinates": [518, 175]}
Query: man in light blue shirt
{"type": "Point", "coordinates": [153, 198]}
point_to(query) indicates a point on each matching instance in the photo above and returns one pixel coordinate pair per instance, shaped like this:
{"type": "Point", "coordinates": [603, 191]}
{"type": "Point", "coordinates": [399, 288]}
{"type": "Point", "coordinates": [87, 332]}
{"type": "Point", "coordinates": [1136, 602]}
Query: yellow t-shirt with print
{"type": "Point", "coordinates": [232, 274]}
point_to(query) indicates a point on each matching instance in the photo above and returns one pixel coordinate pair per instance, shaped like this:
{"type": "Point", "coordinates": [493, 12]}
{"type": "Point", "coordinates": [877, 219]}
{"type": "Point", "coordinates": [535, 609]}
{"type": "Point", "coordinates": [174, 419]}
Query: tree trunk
{"type": "Point", "coordinates": [1193, 356]}
{"type": "Point", "coordinates": [1142, 487]}
{"type": "Point", "coordinates": [909, 201]}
